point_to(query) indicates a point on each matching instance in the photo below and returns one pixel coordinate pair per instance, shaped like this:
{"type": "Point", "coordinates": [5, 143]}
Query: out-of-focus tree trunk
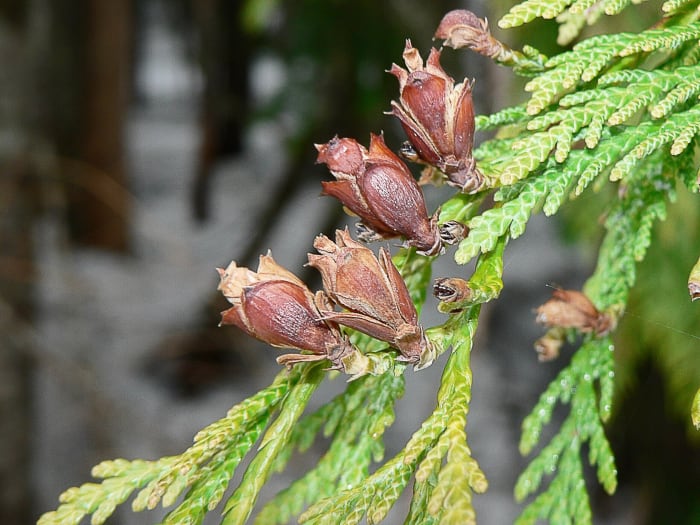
{"type": "Point", "coordinates": [225, 53]}
{"type": "Point", "coordinates": [17, 208]}
{"type": "Point", "coordinates": [16, 287]}
{"type": "Point", "coordinates": [91, 40]}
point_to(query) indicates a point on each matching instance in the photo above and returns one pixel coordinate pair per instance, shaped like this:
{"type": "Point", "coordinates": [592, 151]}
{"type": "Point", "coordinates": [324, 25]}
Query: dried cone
{"type": "Point", "coordinates": [373, 292]}
{"type": "Point", "coordinates": [462, 28]}
{"type": "Point", "coordinates": [452, 290]}
{"type": "Point", "coordinates": [438, 117]}
{"type": "Point", "coordinates": [377, 186]}
{"type": "Point", "coordinates": [572, 309]}
{"type": "Point", "coordinates": [453, 293]}
{"type": "Point", "coordinates": [275, 306]}
{"type": "Point", "coordinates": [548, 346]}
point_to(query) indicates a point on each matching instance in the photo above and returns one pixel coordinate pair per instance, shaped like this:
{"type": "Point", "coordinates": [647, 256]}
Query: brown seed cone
{"type": "Point", "coordinates": [372, 291]}
{"type": "Point", "coordinates": [438, 117]}
{"type": "Point", "coordinates": [275, 306]}
{"type": "Point", "coordinates": [572, 309]}
{"type": "Point", "coordinates": [377, 186]}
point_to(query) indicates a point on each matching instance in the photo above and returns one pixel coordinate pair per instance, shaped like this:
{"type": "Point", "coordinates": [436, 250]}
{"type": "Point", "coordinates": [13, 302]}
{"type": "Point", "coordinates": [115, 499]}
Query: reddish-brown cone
{"type": "Point", "coordinates": [572, 309]}
{"type": "Point", "coordinates": [438, 117]}
{"type": "Point", "coordinates": [461, 28]}
{"type": "Point", "coordinates": [373, 292]}
{"type": "Point", "coordinates": [276, 307]}
{"type": "Point", "coordinates": [377, 186]}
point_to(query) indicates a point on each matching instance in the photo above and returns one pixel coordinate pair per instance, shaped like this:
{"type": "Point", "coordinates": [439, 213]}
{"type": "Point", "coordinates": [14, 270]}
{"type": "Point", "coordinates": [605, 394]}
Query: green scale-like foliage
{"type": "Point", "coordinates": [615, 110]}
{"type": "Point", "coordinates": [624, 105]}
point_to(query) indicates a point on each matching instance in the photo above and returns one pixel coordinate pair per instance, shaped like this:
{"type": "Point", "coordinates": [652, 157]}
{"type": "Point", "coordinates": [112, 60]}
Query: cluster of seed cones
{"type": "Point", "coordinates": [365, 292]}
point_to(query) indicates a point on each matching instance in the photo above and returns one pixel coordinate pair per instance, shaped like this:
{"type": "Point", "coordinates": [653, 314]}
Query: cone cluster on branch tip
{"type": "Point", "coordinates": [375, 184]}
{"type": "Point", "coordinates": [276, 307]}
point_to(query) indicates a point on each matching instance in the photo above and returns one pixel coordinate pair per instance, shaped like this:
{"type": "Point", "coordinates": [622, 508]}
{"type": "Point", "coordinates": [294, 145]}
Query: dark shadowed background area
{"type": "Point", "coordinates": [143, 143]}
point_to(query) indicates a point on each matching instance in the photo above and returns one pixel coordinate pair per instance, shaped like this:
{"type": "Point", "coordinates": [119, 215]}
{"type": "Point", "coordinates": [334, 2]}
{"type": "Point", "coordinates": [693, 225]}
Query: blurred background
{"type": "Point", "coordinates": [143, 143]}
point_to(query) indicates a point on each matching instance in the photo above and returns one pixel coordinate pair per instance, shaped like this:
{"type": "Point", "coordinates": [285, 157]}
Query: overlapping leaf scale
{"type": "Point", "coordinates": [592, 359]}
{"type": "Point", "coordinates": [641, 96]}
{"type": "Point", "coordinates": [619, 151]}
{"type": "Point", "coordinates": [422, 489]}
{"type": "Point", "coordinates": [587, 108]}
{"type": "Point", "coordinates": [614, 7]}
{"type": "Point", "coordinates": [527, 11]}
{"type": "Point", "coordinates": [566, 496]}
{"type": "Point", "coordinates": [220, 445]}
{"type": "Point", "coordinates": [233, 436]}
{"type": "Point", "coordinates": [378, 492]}
{"type": "Point", "coordinates": [357, 423]}
{"type": "Point", "coordinates": [451, 496]}
{"type": "Point", "coordinates": [561, 186]}
{"type": "Point", "coordinates": [512, 216]}
{"type": "Point", "coordinates": [679, 128]}
{"type": "Point", "coordinates": [689, 86]}
{"type": "Point", "coordinates": [688, 131]}
{"type": "Point", "coordinates": [530, 153]}
{"type": "Point", "coordinates": [122, 478]}
{"type": "Point", "coordinates": [626, 238]}
{"type": "Point", "coordinates": [672, 6]}
{"type": "Point", "coordinates": [590, 57]}
{"type": "Point", "coordinates": [349, 506]}
{"type": "Point", "coordinates": [630, 76]}
{"type": "Point", "coordinates": [569, 69]}
{"type": "Point", "coordinates": [684, 165]}
{"type": "Point", "coordinates": [579, 6]}
{"type": "Point", "coordinates": [666, 38]}
{"type": "Point", "coordinates": [504, 117]}
{"type": "Point", "coordinates": [678, 85]}
{"type": "Point", "coordinates": [206, 492]}
{"type": "Point", "coordinates": [241, 502]}
{"type": "Point", "coordinates": [689, 55]}
{"type": "Point", "coordinates": [563, 125]}
{"type": "Point", "coordinates": [495, 152]}
{"type": "Point", "coordinates": [611, 148]}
